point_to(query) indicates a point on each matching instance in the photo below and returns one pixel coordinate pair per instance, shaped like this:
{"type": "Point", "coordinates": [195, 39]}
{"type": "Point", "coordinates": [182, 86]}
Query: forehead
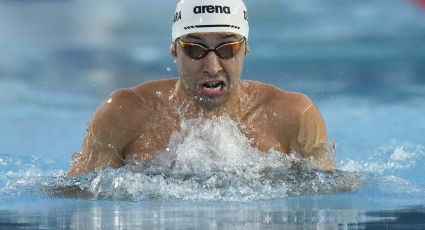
{"type": "Point", "coordinates": [212, 36]}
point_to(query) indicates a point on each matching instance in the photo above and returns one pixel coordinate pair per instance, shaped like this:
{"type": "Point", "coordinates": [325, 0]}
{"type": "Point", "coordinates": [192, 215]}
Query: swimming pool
{"type": "Point", "coordinates": [361, 62]}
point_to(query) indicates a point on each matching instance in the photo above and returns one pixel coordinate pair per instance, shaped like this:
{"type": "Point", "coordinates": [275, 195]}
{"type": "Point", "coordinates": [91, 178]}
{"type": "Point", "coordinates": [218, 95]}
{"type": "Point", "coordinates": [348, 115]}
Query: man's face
{"type": "Point", "coordinates": [212, 80]}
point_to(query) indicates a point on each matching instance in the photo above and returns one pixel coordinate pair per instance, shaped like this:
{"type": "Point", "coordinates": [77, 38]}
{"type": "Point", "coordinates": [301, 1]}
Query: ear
{"type": "Point", "coordinates": [173, 49]}
{"type": "Point", "coordinates": [247, 48]}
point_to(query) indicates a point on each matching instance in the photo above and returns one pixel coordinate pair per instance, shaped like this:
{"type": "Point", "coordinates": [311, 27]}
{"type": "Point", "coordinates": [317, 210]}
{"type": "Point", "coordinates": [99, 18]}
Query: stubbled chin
{"type": "Point", "coordinates": [212, 98]}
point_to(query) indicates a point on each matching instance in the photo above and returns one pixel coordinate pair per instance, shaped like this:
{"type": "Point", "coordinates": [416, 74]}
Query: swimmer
{"type": "Point", "coordinates": [210, 42]}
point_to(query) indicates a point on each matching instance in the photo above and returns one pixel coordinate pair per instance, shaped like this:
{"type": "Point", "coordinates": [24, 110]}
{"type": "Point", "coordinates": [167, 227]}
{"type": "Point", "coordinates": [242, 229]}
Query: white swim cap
{"type": "Point", "coordinates": [197, 16]}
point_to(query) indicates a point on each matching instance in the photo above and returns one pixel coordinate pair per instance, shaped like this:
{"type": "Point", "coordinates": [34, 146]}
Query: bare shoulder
{"type": "Point", "coordinates": [120, 102]}
{"type": "Point", "coordinates": [126, 110]}
{"type": "Point", "coordinates": [279, 99]}
{"type": "Point", "coordinates": [116, 123]}
{"type": "Point", "coordinates": [117, 120]}
{"type": "Point", "coordinates": [153, 89]}
{"type": "Point", "coordinates": [287, 109]}
{"type": "Point", "coordinates": [296, 117]}
{"type": "Point", "coordinates": [126, 107]}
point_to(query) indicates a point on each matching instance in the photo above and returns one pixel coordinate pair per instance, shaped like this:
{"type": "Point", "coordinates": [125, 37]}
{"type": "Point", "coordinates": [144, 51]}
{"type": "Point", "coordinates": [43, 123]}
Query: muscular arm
{"type": "Point", "coordinates": [312, 138]}
{"type": "Point", "coordinates": [94, 155]}
{"type": "Point", "coordinates": [298, 124]}
{"type": "Point", "coordinates": [109, 131]}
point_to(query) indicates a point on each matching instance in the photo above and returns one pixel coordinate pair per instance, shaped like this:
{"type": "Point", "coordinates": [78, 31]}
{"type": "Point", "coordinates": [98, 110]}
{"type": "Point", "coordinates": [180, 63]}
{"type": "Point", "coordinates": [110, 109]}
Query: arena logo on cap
{"type": "Point", "coordinates": [211, 9]}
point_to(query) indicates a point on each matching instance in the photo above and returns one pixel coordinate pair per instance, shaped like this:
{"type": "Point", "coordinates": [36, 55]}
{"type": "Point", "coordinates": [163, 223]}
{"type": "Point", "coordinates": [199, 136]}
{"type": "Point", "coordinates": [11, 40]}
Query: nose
{"type": "Point", "coordinates": [212, 65]}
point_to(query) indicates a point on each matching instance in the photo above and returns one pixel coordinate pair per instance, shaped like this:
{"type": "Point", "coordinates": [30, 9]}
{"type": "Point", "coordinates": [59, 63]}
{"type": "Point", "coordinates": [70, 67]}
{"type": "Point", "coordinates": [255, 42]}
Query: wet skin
{"type": "Point", "coordinates": [136, 123]}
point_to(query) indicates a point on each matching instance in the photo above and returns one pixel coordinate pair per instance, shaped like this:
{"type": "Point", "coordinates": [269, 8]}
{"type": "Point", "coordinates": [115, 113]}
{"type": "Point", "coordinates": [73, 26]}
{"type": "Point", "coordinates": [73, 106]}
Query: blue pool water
{"type": "Point", "coordinates": [362, 62]}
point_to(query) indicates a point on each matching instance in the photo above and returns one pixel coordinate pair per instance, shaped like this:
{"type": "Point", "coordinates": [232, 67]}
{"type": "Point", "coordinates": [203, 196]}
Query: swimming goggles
{"type": "Point", "coordinates": [198, 51]}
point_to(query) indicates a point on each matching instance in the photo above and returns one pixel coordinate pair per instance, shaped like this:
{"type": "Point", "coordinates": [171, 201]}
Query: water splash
{"type": "Point", "coordinates": [20, 175]}
{"type": "Point", "coordinates": [387, 158]}
{"type": "Point", "coordinates": [387, 166]}
{"type": "Point", "coordinates": [210, 159]}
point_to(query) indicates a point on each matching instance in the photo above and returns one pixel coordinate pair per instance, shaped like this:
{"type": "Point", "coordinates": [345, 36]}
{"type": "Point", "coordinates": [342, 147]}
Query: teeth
{"type": "Point", "coordinates": [213, 85]}
{"type": "Point", "coordinates": [215, 89]}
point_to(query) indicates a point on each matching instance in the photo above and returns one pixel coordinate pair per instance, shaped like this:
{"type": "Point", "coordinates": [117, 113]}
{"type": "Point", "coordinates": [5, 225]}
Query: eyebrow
{"type": "Point", "coordinates": [193, 37]}
{"type": "Point", "coordinates": [229, 36]}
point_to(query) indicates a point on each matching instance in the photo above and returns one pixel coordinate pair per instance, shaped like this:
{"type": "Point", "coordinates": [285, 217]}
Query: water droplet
{"type": "Point", "coordinates": [168, 69]}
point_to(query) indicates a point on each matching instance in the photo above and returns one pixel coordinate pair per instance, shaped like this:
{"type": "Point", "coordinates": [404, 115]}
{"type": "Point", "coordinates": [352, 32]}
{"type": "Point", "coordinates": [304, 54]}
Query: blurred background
{"type": "Point", "coordinates": [60, 58]}
{"type": "Point", "coordinates": [320, 47]}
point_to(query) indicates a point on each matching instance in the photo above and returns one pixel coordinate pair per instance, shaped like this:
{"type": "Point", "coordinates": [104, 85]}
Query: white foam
{"type": "Point", "coordinates": [210, 159]}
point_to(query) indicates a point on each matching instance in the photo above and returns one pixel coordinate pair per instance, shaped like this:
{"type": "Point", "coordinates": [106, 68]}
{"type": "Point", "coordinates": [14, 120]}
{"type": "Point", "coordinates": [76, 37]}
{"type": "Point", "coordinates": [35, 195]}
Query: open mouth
{"type": "Point", "coordinates": [215, 85]}
{"type": "Point", "coordinates": [213, 88]}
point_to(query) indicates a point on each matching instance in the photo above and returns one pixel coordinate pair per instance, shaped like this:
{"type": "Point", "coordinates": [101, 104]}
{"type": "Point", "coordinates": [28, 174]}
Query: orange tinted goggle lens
{"type": "Point", "coordinates": [198, 51]}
